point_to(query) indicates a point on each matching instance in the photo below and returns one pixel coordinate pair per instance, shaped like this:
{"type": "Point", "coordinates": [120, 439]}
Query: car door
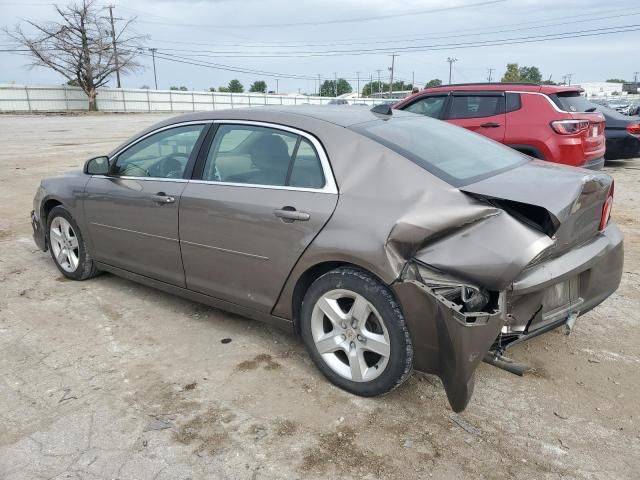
{"type": "Point", "coordinates": [480, 112]}
{"type": "Point", "coordinates": [261, 195]}
{"type": "Point", "coordinates": [432, 105]}
{"type": "Point", "coordinates": [132, 213]}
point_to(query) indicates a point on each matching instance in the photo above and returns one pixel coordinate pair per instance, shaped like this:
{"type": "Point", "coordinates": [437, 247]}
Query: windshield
{"type": "Point", "coordinates": [449, 152]}
{"type": "Point", "coordinates": [572, 102]}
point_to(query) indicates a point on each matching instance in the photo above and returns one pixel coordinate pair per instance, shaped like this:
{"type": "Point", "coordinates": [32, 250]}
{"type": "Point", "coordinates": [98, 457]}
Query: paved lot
{"type": "Point", "coordinates": [109, 379]}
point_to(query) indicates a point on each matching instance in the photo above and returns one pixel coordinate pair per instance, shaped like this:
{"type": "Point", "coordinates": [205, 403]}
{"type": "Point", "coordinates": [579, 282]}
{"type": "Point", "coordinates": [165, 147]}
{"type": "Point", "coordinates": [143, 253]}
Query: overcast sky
{"type": "Point", "coordinates": [253, 34]}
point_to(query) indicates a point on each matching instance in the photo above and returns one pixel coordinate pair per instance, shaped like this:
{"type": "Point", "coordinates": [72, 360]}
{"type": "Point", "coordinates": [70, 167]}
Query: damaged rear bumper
{"type": "Point", "coordinates": [446, 342]}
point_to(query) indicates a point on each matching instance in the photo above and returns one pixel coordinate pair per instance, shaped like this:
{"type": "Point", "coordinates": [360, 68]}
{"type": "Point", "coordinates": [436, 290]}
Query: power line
{"type": "Point", "coordinates": [405, 38]}
{"type": "Point", "coordinates": [418, 48]}
{"type": "Point", "coordinates": [330, 22]}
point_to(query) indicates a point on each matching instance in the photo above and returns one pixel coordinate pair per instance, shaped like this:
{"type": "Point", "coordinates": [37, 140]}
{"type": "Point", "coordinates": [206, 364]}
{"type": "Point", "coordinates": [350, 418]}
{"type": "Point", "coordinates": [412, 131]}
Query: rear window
{"type": "Point", "coordinates": [572, 102]}
{"type": "Point", "coordinates": [451, 153]}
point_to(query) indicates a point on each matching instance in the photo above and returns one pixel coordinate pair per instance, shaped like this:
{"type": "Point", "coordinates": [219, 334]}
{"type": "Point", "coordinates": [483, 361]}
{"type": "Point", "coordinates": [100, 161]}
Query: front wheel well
{"type": "Point", "coordinates": [47, 207]}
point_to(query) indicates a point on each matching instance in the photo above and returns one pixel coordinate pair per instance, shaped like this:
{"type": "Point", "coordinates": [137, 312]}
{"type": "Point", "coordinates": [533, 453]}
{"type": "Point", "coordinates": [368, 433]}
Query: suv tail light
{"type": "Point", "coordinates": [570, 127]}
{"type": "Point", "coordinates": [633, 129]}
{"type": "Point", "coordinates": [606, 209]}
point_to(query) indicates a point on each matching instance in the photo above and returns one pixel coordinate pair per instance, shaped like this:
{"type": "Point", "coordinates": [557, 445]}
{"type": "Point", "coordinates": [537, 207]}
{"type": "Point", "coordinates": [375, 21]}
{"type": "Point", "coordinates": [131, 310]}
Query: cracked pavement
{"type": "Point", "coordinates": [107, 379]}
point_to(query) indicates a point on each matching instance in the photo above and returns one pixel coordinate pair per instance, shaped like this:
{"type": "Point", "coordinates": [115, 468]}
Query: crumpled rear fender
{"type": "Point", "coordinates": [446, 342]}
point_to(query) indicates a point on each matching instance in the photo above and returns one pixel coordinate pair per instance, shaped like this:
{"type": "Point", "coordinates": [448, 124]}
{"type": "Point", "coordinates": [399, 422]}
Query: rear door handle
{"type": "Point", "coordinates": [162, 198]}
{"type": "Point", "coordinates": [290, 214]}
{"type": "Point", "coordinates": [490, 125]}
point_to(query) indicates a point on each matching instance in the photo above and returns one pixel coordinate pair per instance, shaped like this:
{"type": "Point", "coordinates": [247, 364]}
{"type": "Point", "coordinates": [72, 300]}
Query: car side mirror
{"type": "Point", "coordinates": [97, 166]}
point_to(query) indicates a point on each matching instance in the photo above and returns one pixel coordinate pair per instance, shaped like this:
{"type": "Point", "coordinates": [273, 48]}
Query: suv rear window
{"type": "Point", "coordinates": [572, 102]}
{"type": "Point", "coordinates": [451, 153]}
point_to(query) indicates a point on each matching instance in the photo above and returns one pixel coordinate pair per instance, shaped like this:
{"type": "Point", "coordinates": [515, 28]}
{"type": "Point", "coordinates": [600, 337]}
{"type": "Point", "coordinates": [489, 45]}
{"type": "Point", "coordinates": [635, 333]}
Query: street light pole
{"type": "Point", "coordinates": [393, 60]}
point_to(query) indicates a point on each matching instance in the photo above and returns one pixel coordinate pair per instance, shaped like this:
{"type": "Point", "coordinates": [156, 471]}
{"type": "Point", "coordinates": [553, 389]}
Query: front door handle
{"type": "Point", "coordinates": [290, 214]}
{"type": "Point", "coordinates": [162, 198]}
{"type": "Point", "coordinates": [490, 125]}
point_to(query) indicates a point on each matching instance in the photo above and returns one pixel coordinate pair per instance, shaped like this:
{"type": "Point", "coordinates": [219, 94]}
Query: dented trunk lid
{"type": "Point", "coordinates": [563, 202]}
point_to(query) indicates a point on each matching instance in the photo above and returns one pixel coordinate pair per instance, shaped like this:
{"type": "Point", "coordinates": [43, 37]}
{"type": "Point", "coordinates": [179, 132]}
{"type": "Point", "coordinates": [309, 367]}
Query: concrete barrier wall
{"type": "Point", "coordinates": [26, 98]}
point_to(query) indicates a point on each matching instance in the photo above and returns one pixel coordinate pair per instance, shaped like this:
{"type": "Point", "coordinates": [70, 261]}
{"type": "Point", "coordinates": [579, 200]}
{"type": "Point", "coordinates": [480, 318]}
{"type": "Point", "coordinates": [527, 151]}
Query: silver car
{"type": "Point", "coordinates": [389, 241]}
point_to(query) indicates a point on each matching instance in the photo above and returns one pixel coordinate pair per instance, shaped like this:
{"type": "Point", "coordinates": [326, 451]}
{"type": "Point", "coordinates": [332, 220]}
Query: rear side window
{"type": "Point", "coordinates": [452, 154]}
{"type": "Point", "coordinates": [572, 102]}
{"type": "Point", "coordinates": [470, 106]}
{"type": "Point", "coordinates": [513, 102]}
{"type": "Point", "coordinates": [307, 170]}
{"type": "Point", "coordinates": [429, 106]}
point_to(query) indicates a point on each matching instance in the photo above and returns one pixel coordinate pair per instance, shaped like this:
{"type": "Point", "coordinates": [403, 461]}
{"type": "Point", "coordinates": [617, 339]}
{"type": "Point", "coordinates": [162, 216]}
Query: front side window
{"type": "Point", "coordinates": [262, 156]}
{"type": "Point", "coordinates": [429, 106]}
{"type": "Point", "coordinates": [162, 155]}
{"type": "Point", "coordinates": [469, 106]}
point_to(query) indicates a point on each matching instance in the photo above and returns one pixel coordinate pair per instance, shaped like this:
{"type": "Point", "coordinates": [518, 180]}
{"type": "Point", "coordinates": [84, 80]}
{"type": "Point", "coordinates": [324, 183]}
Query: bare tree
{"type": "Point", "coordinates": [79, 46]}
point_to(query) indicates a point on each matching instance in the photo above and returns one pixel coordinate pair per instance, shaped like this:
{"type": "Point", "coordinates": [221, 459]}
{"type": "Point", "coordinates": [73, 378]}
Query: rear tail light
{"type": "Point", "coordinates": [570, 127]}
{"type": "Point", "coordinates": [606, 209]}
{"type": "Point", "coordinates": [633, 129]}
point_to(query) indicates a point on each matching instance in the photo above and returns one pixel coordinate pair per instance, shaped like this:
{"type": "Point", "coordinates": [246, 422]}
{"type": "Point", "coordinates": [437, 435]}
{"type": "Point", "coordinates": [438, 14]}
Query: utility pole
{"type": "Point", "coordinates": [371, 85]}
{"type": "Point", "coordinates": [277, 88]}
{"type": "Point", "coordinates": [569, 75]}
{"type": "Point", "coordinates": [393, 60]}
{"type": "Point", "coordinates": [490, 74]}
{"type": "Point", "coordinates": [113, 40]}
{"type": "Point", "coordinates": [153, 56]}
{"type": "Point", "coordinates": [451, 60]}
{"type": "Point", "coordinates": [635, 78]}
{"type": "Point", "coordinates": [379, 87]}
{"type": "Point", "coordinates": [413, 79]}
{"type": "Point", "coordinates": [335, 84]}
{"type": "Point", "coordinates": [358, 77]}
{"type": "Point", "coordinates": [319, 86]}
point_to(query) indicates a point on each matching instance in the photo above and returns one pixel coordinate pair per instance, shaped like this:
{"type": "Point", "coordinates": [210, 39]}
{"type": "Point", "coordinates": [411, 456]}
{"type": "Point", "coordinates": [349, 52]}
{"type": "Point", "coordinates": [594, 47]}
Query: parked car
{"type": "Point", "coordinates": [621, 106]}
{"type": "Point", "coordinates": [338, 101]}
{"type": "Point", "coordinates": [388, 240]}
{"type": "Point", "coordinates": [622, 133]}
{"type": "Point", "coordinates": [548, 122]}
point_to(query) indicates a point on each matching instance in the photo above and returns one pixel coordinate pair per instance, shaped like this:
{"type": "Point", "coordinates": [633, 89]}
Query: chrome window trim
{"type": "Point", "coordinates": [555, 107]}
{"type": "Point", "coordinates": [153, 132]}
{"type": "Point", "coordinates": [330, 185]}
{"type": "Point", "coordinates": [144, 179]}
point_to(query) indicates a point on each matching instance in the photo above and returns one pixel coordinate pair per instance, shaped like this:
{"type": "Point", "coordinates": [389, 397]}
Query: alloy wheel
{"type": "Point", "coordinates": [64, 244]}
{"type": "Point", "coordinates": [350, 335]}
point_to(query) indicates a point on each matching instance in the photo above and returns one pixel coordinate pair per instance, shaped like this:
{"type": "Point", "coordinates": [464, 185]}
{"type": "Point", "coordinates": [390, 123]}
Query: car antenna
{"type": "Point", "coordinates": [382, 109]}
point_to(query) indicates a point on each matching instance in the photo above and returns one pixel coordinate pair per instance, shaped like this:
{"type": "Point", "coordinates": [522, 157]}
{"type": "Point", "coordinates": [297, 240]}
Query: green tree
{"type": "Point", "coordinates": [235, 86]}
{"type": "Point", "coordinates": [374, 87]}
{"type": "Point", "coordinates": [224, 89]}
{"type": "Point", "coordinates": [616, 80]}
{"type": "Point", "coordinates": [212, 89]}
{"type": "Point", "coordinates": [259, 86]}
{"type": "Point", "coordinates": [530, 74]}
{"type": "Point", "coordinates": [181, 88]}
{"type": "Point", "coordinates": [436, 82]}
{"type": "Point", "coordinates": [328, 89]}
{"type": "Point", "coordinates": [512, 74]}
{"type": "Point", "coordinates": [344, 87]}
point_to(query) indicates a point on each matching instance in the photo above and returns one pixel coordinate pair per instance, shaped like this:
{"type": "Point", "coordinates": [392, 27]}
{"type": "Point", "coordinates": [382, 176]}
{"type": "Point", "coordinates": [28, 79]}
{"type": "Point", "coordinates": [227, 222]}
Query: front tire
{"type": "Point", "coordinates": [67, 246]}
{"type": "Point", "coordinates": [355, 333]}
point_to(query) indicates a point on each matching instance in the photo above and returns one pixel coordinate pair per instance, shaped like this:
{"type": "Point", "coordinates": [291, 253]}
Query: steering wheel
{"type": "Point", "coordinates": [171, 166]}
{"type": "Point", "coordinates": [136, 166]}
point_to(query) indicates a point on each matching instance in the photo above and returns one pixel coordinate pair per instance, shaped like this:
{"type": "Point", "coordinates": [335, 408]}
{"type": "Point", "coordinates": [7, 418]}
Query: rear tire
{"type": "Point", "coordinates": [355, 333]}
{"type": "Point", "coordinates": [67, 246]}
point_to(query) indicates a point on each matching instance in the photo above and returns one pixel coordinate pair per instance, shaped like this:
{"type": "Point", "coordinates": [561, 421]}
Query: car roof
{"type": "Point", "coordinates": [493, 87]}
{"type": "Point", "coordinates": [340, 115]}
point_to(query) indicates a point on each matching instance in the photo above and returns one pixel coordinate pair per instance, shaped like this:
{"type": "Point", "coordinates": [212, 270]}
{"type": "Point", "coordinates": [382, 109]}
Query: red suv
{"type": "Point", "coordinates": [553, 123]}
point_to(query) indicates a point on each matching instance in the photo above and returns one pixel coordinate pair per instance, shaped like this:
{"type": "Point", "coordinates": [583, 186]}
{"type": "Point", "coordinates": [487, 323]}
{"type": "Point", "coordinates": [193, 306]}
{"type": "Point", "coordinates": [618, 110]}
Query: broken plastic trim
{"type": "Point", "coordinates": [448, 341]}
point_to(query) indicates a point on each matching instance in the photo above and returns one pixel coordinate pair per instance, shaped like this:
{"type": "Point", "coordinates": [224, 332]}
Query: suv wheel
{"type": "Point", "coordinates": [355, 333]}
